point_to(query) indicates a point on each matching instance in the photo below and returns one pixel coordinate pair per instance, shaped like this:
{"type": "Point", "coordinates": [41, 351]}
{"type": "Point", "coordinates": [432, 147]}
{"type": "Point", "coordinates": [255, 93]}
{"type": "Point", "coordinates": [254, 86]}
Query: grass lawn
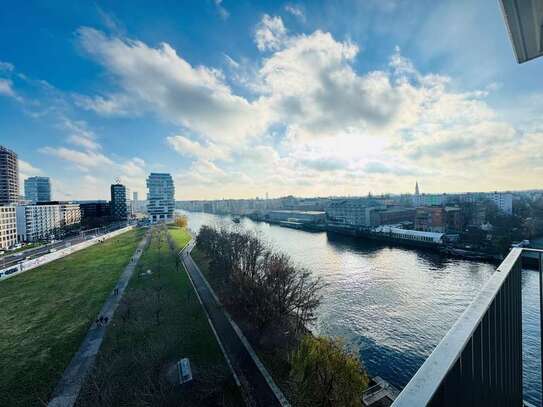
{"type": "Point", "coordinates": [45, 313]}
{"type": "Point", "coordinates": [159, 322]}
{"type": "Point", "coordinates": [179, 235]}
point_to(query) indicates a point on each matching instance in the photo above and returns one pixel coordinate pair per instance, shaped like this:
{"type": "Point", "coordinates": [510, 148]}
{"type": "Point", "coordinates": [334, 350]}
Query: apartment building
{"type": "Point", "coordinates": [8, 226]}
{"type": "Point", "coordinates": [38, 222]}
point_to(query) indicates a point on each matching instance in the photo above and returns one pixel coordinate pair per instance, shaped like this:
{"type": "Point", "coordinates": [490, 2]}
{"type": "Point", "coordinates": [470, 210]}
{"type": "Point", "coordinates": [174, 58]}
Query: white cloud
{"type": "Point", "coordinates": [187, 147]}
{"type": "Point", "coordinates": [223, 12]}
{"type": "Point", "coordinates": [83, 160]}
{"type": "Point", "coordinates": [270, 33]}
{"type": "Point", "coordinates": [80, 135]}
{"type": "Point", "coordinates": [6, 89]}
{"type": "Point", "coordinates": [6, 66]}
{"type": "Point", "coordinates": [296, 11]}
{"type": "Point", "coordinates": [343, 131]}
{"type": "Point", "coordinates": [163, 82]}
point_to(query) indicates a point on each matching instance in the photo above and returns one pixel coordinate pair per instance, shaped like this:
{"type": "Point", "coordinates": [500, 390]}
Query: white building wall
{"type": "Point", "coordinates": [37, 222]}
{"type": "Point", "coordinates": [8, 226]}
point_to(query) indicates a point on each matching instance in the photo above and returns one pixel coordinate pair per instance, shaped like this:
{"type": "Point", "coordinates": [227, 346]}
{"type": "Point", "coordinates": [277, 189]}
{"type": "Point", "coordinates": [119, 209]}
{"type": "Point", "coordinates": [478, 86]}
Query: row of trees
{"type": "Point", "coordinates": [263, 284]}
{"type": "Point", "coordinates": [272, 292]}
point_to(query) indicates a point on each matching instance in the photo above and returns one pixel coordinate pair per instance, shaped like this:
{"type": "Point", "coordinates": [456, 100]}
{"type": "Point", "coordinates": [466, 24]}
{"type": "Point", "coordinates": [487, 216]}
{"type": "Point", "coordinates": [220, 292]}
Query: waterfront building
{"type": "Point", "coordinates": [430, 219]}
{"type": "Point", "coordinates": [38, 222]}
{"type": "Point", "coordinates": [38, 189]}
{"type": "Point", "coordinates": [119, 209]}
{"type": "Point", "coordinates": [351, 212]}
{"type": "Point", "coordinates": [9, 176]}
{"type": "Point", "coordinates": [160, 197]}
{"type": "Point", "coordinates": [423, 237]}
{"type": "Point", "coordinates": [8, 226]}
{"type": "Point", "coordinates": [314, 217]}
{"type": "Point", "coordinates": [391, 216]}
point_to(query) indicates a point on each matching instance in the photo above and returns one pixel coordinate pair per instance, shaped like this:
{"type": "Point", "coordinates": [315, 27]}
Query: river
{"type": "Point", "coordinates": [392, 304]}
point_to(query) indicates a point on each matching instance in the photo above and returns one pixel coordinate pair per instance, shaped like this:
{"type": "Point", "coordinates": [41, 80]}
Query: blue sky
{"type": "Point", "coordinates": [239, 98]}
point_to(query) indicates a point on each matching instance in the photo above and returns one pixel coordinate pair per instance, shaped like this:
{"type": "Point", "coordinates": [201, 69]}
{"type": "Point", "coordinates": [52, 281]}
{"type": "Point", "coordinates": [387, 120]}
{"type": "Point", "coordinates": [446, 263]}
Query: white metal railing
{"type": "Point", "coordinates": [479, 361]}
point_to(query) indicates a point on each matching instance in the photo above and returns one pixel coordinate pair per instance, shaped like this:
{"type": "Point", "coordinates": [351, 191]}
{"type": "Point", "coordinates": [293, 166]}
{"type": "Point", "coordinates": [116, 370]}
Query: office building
{"type": "Point", "coordinates": [94, 210]}
{"type": "Point", "coordinates": [9, 176]}
{"type": "Point", "coordinates": [8, 226]}
{"type": "Point", "coordinates": [119, 208]}
{"type": "Point", "coordinates": [38, 189]}
{"type": "Point", "coordinates": [38, 222]}
{"type": "Point", "coordinates": [135, 196]}
{"type": "Point", "coordinates": [160, 197]}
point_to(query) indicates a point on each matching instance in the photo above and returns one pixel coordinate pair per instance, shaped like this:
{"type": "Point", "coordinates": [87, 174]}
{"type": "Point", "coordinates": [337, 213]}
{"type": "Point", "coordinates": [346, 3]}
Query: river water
{"type": "Point", "coordinates": [392, 304]}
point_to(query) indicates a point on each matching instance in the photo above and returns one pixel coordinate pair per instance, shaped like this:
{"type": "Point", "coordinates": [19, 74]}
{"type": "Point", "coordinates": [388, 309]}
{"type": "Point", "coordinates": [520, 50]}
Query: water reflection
{"type": "Point", "coordinates": [392, 304]}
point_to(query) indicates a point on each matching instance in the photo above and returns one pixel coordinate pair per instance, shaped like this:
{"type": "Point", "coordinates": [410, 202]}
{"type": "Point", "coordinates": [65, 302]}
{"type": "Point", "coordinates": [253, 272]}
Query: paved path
{"type": "Point", "coordinates": [67, 389]}
{"type": "Point", "coordinates": [246, 364]}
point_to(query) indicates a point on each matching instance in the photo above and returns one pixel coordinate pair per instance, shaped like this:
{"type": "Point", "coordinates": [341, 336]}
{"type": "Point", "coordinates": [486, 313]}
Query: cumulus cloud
{"type": "Point", "coordinates": [341, 130]}
{"type": "Point", "coordinates": [185, 146]}
{"type": "Point", "coordinates": [165, 83]}
{"type": "Point", "coordinates": [270, 33]}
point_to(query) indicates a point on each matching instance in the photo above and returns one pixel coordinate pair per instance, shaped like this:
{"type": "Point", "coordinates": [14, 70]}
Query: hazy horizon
{"type": "Point", "coordinates": [240, 99]}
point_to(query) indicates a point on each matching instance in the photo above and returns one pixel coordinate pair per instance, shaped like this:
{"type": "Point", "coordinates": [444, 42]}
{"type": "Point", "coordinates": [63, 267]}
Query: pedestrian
{"type": "Point", "coordinates": [105, 320]}
{"type": "Point", "coordinates": [97, 322]}
{"type": "Point", "coordinates": [101, 320]}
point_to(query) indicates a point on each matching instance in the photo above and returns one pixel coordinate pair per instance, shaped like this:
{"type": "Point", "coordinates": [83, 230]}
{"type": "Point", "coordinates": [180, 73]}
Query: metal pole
{"type": "Point", "coordinates": [541, 315]}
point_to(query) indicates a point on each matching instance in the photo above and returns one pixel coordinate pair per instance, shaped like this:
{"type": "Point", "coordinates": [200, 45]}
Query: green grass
{"type": "Point", "coordinates": [45, 313]}
{"type": "Point", "coordinates": [135, 366]}
{"type": "Point", "coordinates": [180, 236]}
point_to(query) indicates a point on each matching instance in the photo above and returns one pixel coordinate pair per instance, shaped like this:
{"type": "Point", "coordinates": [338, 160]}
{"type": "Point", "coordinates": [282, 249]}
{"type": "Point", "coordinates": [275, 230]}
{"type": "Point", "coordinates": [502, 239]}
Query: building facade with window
{"type": "Point", "coordinates": [38, 222]}
{"type": "Point", "coordinates": [9, 176]}
{"type": "Point", "coordinates": [38, 189]}
{"type": "Point", "coordinates": [70, 214]}
{"type": "Point", "coordinates": [8, 226]}
{"type": "Point", "coordinates": [119, 207]}
{"type": "Point", "coordinates": [160, 197]}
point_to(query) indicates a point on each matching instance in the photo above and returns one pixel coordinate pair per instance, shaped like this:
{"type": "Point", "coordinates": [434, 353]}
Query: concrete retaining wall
{"type": "Point", "coordinates": [49, 257]}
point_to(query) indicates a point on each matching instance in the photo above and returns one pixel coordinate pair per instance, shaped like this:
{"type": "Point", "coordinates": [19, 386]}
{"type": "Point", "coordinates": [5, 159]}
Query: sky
{"type": "Point", "coordinates": [237, 99]}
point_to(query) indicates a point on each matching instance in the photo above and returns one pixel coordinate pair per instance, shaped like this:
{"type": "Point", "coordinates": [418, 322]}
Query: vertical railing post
{"type": "Point", "coordinates": [541, 315]}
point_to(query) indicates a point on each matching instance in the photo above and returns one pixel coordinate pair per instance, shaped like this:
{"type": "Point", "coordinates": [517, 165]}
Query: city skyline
{"type": "Point", "coordinates": [296, 98]}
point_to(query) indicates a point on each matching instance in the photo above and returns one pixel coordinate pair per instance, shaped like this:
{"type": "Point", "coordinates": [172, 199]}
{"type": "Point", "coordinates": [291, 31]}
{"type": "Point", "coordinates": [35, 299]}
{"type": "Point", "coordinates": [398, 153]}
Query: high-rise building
{"type": "Point", "coordinates": [119, 209]}
{"type": "Point", "coordinates": [9, 176]}
{"type": "Point", "coordinates": [135, 196]}
{"type": "Point", "coordinates": [160, 197]}
{"type": "Point", "coordinates": [38, 189]}
{"type": "Point", "coordinates": [8, 226]}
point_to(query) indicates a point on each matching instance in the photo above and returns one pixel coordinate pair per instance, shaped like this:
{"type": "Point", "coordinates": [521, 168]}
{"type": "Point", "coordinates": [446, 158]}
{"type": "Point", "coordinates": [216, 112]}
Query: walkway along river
{"type": "Point", "coordinates": [392, 304]}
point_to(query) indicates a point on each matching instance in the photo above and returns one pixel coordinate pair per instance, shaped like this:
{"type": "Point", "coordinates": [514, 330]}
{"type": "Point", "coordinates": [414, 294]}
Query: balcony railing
{"type": "Point", "coordinates": [479, 361]}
